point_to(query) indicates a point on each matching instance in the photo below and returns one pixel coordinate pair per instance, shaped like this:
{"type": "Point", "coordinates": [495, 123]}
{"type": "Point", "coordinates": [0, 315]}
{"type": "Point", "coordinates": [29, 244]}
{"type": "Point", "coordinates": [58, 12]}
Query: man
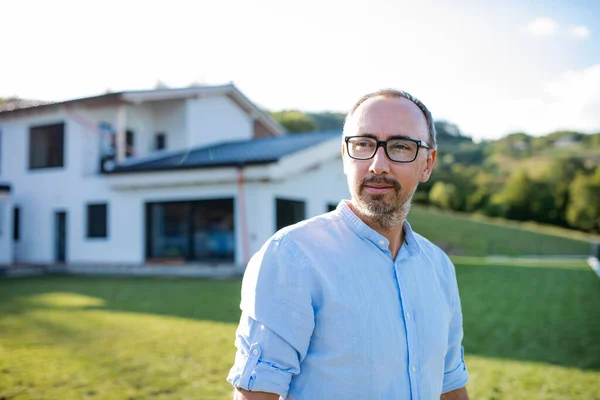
{"type": "Point", "coordinates": [353, 304]}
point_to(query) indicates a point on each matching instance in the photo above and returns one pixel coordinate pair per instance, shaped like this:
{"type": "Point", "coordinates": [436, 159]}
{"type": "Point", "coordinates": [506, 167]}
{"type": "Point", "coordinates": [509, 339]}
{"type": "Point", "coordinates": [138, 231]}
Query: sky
{"type": "Point", "coordinates": [492, 68]}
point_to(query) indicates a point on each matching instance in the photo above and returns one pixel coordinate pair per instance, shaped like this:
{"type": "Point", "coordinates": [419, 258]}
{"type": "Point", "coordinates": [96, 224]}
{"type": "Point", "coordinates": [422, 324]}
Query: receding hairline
{"type": "Point", "coordinates": [393, 94]}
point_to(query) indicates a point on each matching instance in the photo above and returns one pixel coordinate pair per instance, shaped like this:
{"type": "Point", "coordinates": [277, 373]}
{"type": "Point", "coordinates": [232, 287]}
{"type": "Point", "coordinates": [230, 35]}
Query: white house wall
{"type": "Point", "coordinates": [260, 214]}
{"type": "Point", "coordinates": [140, 120]}
{"type": "Point", "coordinates": [217, 119]}
{"type": "Point", "coordinates": [170, 119]}
{"type": "Point", "coordinates": [126, 227]}
{"type": "Point", "coordinates": [318, 187]}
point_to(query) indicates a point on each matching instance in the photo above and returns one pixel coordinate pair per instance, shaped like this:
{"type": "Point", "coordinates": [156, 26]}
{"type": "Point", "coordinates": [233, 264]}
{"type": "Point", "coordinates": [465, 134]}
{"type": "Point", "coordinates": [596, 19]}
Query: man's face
{"type": "Point", "coordinates": [381, 189]}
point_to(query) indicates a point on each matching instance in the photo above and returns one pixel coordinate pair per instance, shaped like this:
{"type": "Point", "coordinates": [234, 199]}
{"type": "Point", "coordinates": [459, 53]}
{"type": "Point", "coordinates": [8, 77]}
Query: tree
{"type": "Point", "coordinates": [583, 210]}
{"type": "Point", "coordinates": [559, 176]}
{"type": "Point", "coordinates": [515, 145]}
{"type": "Point", "coordinates": [515, 198]}
{"type": "Point", "coordinates": [445, 196]}
{"type": "Point", "coordinates": [449, 130]}
{"type": "Point", "coordinates": [593, 141]}
{"type": "Point", "coordinates": [160, 85]}
{"type": "Point", "coordinates": [328, 120]}
{"type": "Point", "coordinates": [295, 121]}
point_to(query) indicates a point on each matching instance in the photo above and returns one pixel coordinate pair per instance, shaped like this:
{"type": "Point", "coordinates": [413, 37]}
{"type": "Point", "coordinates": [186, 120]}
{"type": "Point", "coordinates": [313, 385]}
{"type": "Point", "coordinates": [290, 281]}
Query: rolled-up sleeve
{"type": "Point", "coordinates": [277, 320]}
{"type": "Point", "coordinates": [455, 370]}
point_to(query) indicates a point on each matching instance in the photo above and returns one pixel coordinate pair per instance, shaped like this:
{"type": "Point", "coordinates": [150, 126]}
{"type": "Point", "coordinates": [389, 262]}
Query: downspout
{"type": "Point", "coordinates": [243, 214]}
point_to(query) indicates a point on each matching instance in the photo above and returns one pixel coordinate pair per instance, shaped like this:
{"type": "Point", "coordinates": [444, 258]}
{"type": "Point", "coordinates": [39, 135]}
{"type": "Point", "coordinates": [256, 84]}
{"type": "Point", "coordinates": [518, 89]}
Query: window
{"type": "Point", "coordinates": [16, 224]}
{"type": "Point", "coordinates": [46, 146]}
{"type": "Point", "coordinates": [129, 143]}
{"type": "Point", "coordinates": [191, 230]}
{"type": "Point", "coordinates": [97, 221]}
{"type": "Point", "coordinates": [289, 212]}
{"type": "Point", "coordinates": [160, 141]}
{"type": "Point", "coordinates": [0, 151]}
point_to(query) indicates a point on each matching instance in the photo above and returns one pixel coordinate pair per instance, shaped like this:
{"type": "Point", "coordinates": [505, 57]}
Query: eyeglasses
{"type": "Point", "coordinates": [401, 150]}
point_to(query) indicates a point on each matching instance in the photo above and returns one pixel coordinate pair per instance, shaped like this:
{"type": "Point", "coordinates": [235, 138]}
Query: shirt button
{"type": "Point", "coordinates": [407, 315]}
{"type": "Point", "coordinates": [414, 369]}
{"type": "Point", "coordinates": [255, 352]}
{"type": "Point", "coordinates": [381, 242]}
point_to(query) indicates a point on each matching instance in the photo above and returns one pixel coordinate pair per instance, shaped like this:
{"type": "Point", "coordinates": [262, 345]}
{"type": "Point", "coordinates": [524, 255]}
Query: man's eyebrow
{"type": "Point", "coordinates": [370, 135]}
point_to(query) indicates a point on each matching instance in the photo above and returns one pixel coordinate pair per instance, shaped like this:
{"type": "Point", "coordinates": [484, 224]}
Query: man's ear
{"type": "Point", "coordinates": [429, 166]}
{"type": "Point", "coordinates": [344, 158]}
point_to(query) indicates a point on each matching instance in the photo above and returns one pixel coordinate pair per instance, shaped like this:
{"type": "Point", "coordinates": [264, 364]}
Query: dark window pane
{"type": "Point", "coordinates": [213, 230]}
{"type": "Point", "coordinates": [46, 146]}
{"type": "Point", "coordinates": [193, 230]}
{"type": "Point", "coordinates": [16, 224]}
{"type": "Point", "coordinates": [168, 225]}
{"type": "Point", "coordinates": [129, 143]}
{"type": "Point", "coordinates": [289, 212]}
{"type": "Point", "coordinates": [161, 141]}
{"type": "Point", "coordinates": [97, 222]}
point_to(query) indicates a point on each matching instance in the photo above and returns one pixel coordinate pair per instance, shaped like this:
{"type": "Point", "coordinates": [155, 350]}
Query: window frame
{"type": "Point", "coordinates": [62, 143]}
{"type": "Point", "coordinates": [16, 224]}
{"type": "Point", "coordinates": [157, 139]}
{"type": "Point", "coordinates": [90, 233]}
{"type": "Point", "coordinates": [293, 202]}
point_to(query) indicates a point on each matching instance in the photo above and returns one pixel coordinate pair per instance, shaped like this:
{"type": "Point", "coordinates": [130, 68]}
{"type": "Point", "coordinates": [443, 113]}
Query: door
{"type": "Point", "coordinates": [60, 234]}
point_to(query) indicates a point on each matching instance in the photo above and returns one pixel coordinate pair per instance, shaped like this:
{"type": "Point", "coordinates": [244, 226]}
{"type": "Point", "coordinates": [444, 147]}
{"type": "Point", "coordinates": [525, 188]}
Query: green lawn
{"type": "Point", "coordinates": [532, 331]}
{"type": "Point", "coordinates": [464, 234]}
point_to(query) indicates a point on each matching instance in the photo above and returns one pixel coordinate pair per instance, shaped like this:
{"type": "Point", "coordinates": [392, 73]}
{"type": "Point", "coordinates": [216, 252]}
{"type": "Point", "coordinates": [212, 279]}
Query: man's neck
{"type": "Point", "coordinates": [395, 235]}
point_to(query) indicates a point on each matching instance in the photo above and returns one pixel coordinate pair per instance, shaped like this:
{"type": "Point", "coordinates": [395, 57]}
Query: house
{"type": "Point", "coordinates": [565, 142]}
{"type": "Point", "coordinates": [192, 176]}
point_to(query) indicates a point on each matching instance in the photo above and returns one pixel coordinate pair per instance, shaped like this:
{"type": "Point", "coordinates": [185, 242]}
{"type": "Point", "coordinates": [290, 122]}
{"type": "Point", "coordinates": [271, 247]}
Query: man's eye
{"type": "Point", "coordinates": [364, 143]}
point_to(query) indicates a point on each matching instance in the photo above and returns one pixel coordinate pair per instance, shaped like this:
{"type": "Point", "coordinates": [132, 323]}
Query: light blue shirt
{"type": "Point", "coordinates": [328, 314]}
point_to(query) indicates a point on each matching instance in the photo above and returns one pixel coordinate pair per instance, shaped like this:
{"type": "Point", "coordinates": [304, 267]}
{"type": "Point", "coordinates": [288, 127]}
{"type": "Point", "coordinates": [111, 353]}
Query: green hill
{"type": "Point", "coordinates": [464, 234]}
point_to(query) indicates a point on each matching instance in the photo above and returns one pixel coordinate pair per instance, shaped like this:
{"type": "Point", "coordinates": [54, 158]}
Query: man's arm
{"type": "Point", "coordinates": [241, 394]}
{"type": "Point", "coordinates": [457, 394]}
{"type": "Point", "coordinates": [277, 322]}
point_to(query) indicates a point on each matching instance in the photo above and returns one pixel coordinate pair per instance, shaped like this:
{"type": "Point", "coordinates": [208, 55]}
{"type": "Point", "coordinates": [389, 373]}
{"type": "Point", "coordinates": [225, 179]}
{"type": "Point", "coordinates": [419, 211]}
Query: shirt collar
{"type": "Point", "coordinates": [366, 232]}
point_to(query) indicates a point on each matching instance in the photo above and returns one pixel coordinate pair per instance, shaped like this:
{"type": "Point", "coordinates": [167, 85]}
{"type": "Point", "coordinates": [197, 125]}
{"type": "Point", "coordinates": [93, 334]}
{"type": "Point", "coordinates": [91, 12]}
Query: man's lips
{"type": "Point", "coordinates": [378, 188]}
{"type": "Point", "coordinates": [379, 185]}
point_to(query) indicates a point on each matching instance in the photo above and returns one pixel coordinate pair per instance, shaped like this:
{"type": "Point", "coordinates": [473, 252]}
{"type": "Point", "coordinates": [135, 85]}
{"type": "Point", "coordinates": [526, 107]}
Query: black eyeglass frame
{"type": "Point", "coordinates": [383, 143]}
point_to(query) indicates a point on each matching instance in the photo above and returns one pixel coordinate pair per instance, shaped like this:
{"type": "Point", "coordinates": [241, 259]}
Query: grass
{"type": "Point", "coordinates": [463, 234]}
{"type": "Point", "coordinates": [531, 332]}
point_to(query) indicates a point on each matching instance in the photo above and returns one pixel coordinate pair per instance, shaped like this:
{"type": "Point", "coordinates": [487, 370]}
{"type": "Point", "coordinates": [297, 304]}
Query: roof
{"type": "Point", "coordinates": [140, 96]}
{"type": "Point", "coordinates": [22, 106]}
{"type": "Point", "coordinates": [230, 154]}
{"type": "Point", "coordinates": [14, 103]}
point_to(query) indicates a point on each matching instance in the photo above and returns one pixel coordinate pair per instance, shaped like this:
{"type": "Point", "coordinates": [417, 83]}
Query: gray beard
{"type": "Point", "coordinates": [384, 215]}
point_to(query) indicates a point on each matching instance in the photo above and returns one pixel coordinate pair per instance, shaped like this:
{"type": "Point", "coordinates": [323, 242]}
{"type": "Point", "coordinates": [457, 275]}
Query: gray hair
{"type": "Point", "coordinates": [393, 93]}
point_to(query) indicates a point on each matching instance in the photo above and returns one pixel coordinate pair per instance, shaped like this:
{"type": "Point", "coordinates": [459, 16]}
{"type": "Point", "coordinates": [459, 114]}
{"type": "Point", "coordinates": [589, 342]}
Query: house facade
{"type": "Point", "coordinates": [188, 176]}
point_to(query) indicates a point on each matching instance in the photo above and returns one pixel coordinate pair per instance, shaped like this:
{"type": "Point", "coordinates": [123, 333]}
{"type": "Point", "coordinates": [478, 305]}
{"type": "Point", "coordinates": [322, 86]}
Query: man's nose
{"type": "Point", "coordinates": [380, 163]}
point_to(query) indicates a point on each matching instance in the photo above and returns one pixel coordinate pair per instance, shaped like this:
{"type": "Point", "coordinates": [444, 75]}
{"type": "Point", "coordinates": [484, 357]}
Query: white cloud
{"type": "Point", "coordinates": [579, 31]}
{"type": "Point", "coordinates": [542, 26]}
{"type": "Point", "coordinates": [570, 101]}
